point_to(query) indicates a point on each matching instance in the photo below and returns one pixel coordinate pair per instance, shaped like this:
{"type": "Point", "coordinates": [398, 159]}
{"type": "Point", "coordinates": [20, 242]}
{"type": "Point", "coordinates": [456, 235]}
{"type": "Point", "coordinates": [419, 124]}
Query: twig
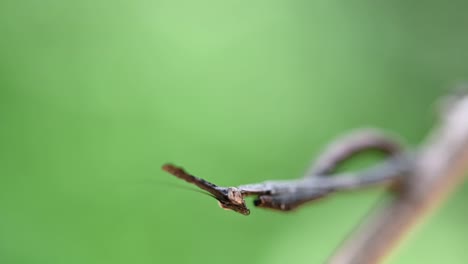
{"type": "Point", "coordinates": [352, 144]}
{"type": "Point", "coordinates": [440, 164]}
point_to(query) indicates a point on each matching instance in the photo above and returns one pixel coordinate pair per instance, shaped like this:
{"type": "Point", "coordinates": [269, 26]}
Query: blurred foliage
{"type": "Point", "coordinates": [96, 95]}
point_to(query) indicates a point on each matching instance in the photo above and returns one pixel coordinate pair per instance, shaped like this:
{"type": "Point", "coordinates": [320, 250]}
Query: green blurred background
{"type": "Point", "coordinates": [97, 95]}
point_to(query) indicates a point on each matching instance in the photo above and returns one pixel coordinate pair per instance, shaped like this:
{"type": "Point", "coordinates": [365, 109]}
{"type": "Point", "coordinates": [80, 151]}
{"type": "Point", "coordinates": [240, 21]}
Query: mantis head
{"type": "Point", "coordinates": [229, 198]}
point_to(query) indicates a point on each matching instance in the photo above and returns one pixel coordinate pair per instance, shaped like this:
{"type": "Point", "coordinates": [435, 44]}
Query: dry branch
{"type": "Point", "coordinates": [440, 164]}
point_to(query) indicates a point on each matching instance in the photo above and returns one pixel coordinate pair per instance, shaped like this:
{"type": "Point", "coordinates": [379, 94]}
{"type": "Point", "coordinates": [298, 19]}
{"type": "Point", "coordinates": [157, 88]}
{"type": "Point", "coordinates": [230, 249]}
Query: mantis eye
{"type": "Point", "coordinates": [235, 196]}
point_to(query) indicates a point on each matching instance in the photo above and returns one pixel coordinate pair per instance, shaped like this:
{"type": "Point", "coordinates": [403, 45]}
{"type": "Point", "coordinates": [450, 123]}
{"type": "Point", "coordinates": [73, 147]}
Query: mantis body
{"type": "Point", "coordinates": [285, 195]}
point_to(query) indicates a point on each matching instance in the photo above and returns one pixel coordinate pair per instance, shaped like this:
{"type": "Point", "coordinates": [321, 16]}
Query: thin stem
{"type": "Point", "coordinates": [440, 164]}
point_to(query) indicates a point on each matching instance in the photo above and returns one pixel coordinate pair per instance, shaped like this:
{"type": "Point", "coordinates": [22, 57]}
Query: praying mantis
{"type": "Point", "coordinates": [319, 181]}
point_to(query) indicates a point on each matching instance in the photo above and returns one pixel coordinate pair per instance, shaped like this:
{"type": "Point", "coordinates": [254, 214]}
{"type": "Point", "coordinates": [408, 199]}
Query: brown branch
{"type": "Point", "coordinates": [440, 164]}
{"type": "Point", "coordinates": [352, 144]}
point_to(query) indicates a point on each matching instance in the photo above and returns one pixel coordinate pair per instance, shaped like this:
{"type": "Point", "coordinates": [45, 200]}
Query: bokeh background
{"type": "Point", "coordinates": [96, 95]}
